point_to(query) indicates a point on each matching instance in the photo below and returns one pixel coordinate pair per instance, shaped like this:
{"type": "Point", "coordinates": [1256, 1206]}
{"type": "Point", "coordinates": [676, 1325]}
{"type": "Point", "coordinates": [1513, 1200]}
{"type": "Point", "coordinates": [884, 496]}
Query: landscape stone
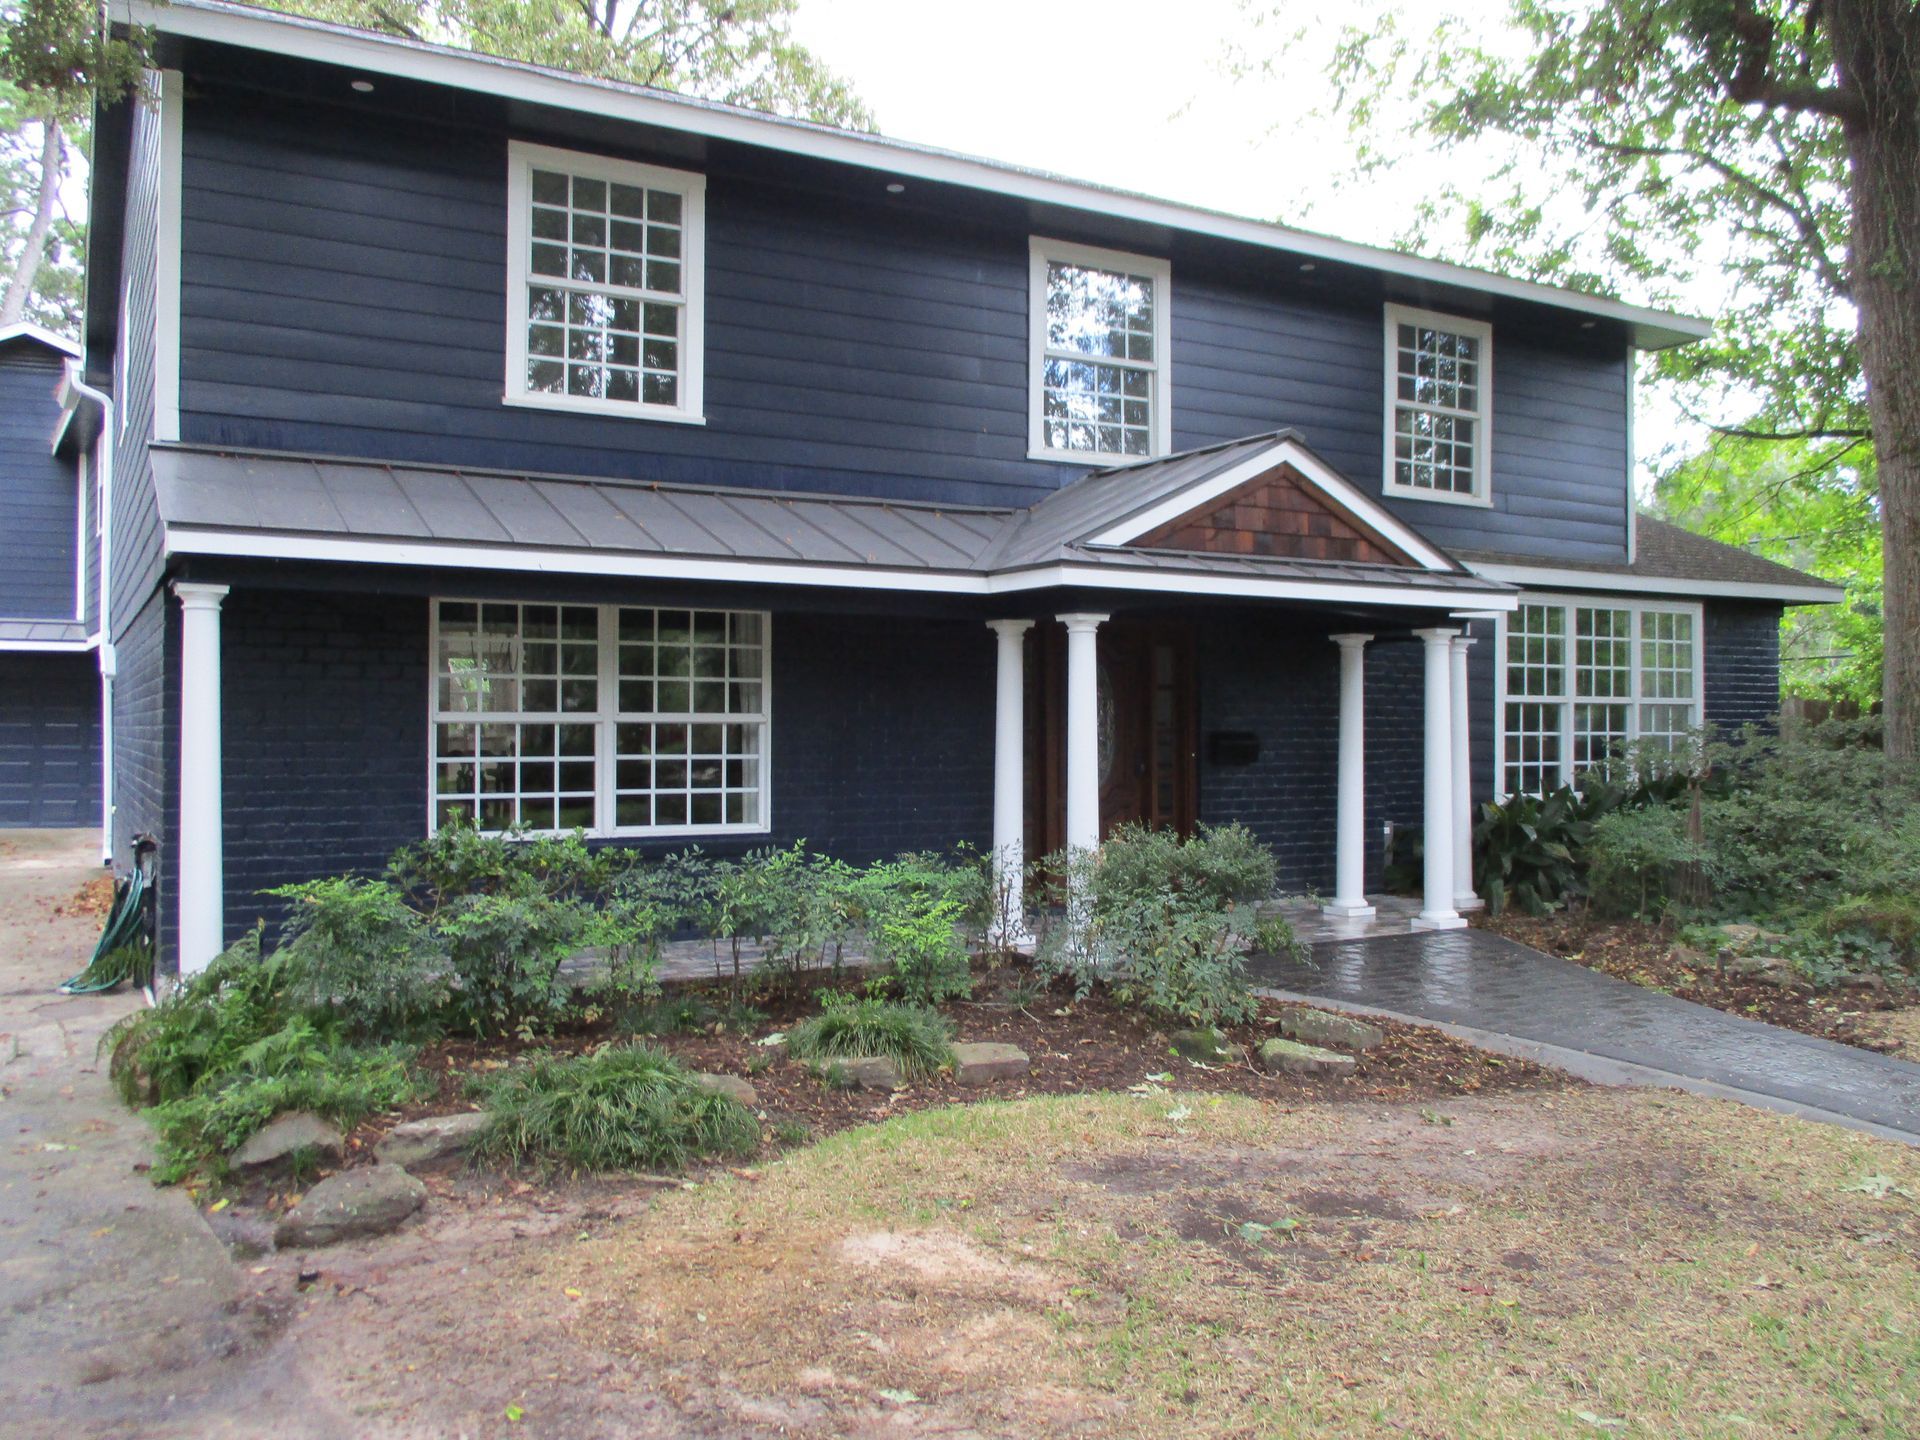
{"type": "Point", "coordinates": [1209, 1047]}
{"type": "Point", "coordinates": [1323, 1027]}
{"type": "Point", "coordinates": [732, 1086]}
{"type": "Point", "coordinates": [869, 1072]}
{"type": "Point", "coordinates": [982, 1062]}
{"type": "Point", "coordinates": [281, 1138]}
{"type": "Point", "coordinates": [351, 1206]}
{"type": "Point", "coordinates": [1294, 1058]}
{"type": "Point", "coordinates": [415, 1142]}
{"type": "Point", "coordinates": [1767, 969]}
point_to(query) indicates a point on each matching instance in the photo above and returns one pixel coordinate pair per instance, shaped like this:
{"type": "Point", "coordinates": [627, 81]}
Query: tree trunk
{"type": "Point", "coordinates": [1876, 44]}
{"type": "Point", "coordinates": [20, 288]}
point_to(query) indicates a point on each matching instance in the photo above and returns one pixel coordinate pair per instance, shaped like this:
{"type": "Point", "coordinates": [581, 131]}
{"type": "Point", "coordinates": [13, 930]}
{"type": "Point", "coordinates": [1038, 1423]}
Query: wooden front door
{"type": "Point", "coordinates": [1148, 770]}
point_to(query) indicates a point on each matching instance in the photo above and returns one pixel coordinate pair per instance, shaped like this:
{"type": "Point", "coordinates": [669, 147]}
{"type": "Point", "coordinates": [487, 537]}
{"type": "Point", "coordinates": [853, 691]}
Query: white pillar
{"type": "Point", "coordinates": [1350, 833]}
{"type": "Point", "coordinates": [198, 861]}
{"type": "Point", "coordinates": [1436, 906]}
{"type": "Point", "coordinates": [1083, 731]}
{"type": "Point", "coordinates": [1009, 782]}
{"type": "Point", "coordinates": [1463, 896]}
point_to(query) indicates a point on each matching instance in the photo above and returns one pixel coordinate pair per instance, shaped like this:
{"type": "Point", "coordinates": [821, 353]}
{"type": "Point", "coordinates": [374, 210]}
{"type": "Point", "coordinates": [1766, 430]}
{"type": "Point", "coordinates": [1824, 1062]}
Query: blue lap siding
{"type": "Point", "coordinates": [345, 294]}
{"type": "Point", "coordinates": [39, 495]}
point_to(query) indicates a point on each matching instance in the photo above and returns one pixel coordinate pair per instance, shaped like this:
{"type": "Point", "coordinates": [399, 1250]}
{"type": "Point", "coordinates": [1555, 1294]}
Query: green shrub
{"type": "Point", "coordinates": [458, 861]}
{"type": "Point", "coordinates": [362, 955]}
{"type": "Point", "coordinates": [1528, 850]}
{"type": "Point", "coordinates": [505, 948]}
{"type": "Point", "coordinates": [918, 1040]}
{"type": "Point", "coordinates": [1633, 857]}
{"type": "Point", "coordinates": [1163, 923]}
{"type": "Point", "coordinates": [295, 1068]}
{"type": "Point", "coordinates": [627, 1107]}
{"type": "Point", "coordinates": [690, 1015]}
{"type": "Point", "coordinates": [1892, 918]}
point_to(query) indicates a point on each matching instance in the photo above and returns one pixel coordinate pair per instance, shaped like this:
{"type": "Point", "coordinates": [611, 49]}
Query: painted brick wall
{"type": "Point", "coordinates": [1281, 681]}
{"type": "Point", "coordinates": [1742, 663]}
{"type": "Point", "coordinates": [146, 707]}
{"type": "Point", "coordinates": [882, 737]}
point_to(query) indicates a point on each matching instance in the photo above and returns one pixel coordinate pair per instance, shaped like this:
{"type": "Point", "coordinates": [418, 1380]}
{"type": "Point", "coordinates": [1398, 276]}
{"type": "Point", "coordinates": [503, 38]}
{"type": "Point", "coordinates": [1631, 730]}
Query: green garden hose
{"type": "Point", "coordinates": [122, 954]}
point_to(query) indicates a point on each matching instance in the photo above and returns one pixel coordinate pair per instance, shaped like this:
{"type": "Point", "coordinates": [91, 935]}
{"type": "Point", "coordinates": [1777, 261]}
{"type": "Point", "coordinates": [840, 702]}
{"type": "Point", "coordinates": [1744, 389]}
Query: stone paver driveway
{"type": "Point", "coordinates": [1495, 986]}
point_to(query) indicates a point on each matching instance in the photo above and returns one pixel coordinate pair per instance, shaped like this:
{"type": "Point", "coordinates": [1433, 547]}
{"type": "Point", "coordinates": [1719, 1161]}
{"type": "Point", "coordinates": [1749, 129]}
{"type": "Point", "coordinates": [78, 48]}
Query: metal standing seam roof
{"type": "Point", "coordinates": [204, 490]}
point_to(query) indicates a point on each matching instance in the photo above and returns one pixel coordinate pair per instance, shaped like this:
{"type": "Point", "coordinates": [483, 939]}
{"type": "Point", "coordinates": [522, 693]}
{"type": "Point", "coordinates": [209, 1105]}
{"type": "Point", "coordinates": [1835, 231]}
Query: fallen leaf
{"type": "Point", "coordinates": [514, 1412]}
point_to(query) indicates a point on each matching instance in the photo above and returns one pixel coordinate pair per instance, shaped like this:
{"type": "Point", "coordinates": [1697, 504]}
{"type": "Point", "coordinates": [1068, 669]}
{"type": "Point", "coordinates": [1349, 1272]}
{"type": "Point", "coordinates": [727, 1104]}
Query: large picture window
{"type": "Point", "coordinates": [1439, 384]}
{"type": "Point", "coordinates": [604, 261]}
{"type": "Point", "coordinates": [612, 719]}
{"type": "Point", "coordinates": [1099, 361]}
{"type": "Point", "coordinates": [1583, 679]}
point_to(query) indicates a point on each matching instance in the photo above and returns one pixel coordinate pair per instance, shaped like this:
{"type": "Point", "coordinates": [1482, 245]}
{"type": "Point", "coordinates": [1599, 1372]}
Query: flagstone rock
{"type": "Point", "coordinates": [285, 1136]}
{"type": "Point", "coordinates": [1293, 1058]}
{"type": "Point", "coordinates": [868, 1072]}
{"type": "Point", "coordinates": [1325, 1028]}
{"type": "Point", "coordinates": [416, 1142]}
{"type": "Point", "coordinates": [731, 1086]}
{"type": "Point", "coordinates": [983, 1062]}
{"type": "Point", "coordinates": [352, 1205]}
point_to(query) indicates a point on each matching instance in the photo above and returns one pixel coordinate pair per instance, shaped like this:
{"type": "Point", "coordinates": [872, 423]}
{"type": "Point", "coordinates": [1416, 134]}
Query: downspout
{"type": "Point", "coordinates": [103, 458]}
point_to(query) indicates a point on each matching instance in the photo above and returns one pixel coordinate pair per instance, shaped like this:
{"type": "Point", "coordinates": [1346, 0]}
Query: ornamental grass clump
{"type": "Point", "coordinates": [627, 1107]}
{"type": "Point", "coordinates": [918, 1040]}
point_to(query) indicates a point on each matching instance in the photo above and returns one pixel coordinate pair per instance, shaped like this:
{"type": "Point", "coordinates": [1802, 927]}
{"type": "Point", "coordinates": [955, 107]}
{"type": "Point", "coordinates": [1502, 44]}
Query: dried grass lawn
{"type": "Point", "coordinates": [1587, 1263]}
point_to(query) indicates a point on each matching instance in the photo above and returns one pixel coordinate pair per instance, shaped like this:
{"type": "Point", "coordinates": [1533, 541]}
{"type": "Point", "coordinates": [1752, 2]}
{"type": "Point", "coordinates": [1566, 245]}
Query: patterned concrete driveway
{"type": "Point", "coordinates": [1512, 997]}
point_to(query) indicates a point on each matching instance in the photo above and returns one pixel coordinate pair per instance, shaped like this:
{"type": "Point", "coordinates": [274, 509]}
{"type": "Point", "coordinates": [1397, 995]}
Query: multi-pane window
{"type": "Point", "coordinates": [1099, 353]}
{"type": "Point", "coordinates": [1583, 681]}
{"type": "Point", "coordinates": [605, 284]}
{"type": "Point", "coordinates": [613, 719]}
{"type": "Point", "coordinates": [1438, 373]}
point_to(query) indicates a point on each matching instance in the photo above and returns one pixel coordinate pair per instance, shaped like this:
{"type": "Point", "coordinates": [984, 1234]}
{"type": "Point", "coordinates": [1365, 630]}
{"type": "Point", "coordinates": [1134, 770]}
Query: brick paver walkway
{"type": "Point", "coordinates": [1490, 983]}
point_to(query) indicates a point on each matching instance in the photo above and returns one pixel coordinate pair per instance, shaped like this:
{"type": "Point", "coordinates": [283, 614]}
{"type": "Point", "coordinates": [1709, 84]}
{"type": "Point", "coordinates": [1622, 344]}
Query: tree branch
{"type": "Point", "coordinates": [1754, 83]}
{"type": "Point", "coordinates": [1804, 222]}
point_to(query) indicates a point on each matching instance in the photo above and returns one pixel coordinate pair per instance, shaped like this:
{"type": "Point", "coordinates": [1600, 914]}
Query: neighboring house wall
{"type": "Point", "coordinates": [136, 520]}
{"type": "Point", "coordinates": [345, 294]}
{"type": "Point", "coordinates": [39, 523]}
{"type": "Point", "coordinates": [49, 740]}
{"type": "Point", "coordinates": [1742, 663]}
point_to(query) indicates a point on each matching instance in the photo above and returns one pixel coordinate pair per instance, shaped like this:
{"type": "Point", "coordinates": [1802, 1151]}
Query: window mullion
{"type": "Point", "coordinates": [1569, 687]}
{"type": "Point", "coordinates": [605, 721]}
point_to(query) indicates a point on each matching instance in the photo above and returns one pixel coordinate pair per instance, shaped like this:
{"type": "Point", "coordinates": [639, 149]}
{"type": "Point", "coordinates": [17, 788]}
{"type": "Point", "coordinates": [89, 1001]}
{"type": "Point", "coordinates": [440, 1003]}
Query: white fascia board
{"type": "Point", "coordinates": [1288, 452]}
{"type": "Point", "coordinates": [253, 545]}
{"type": "Point", "coordinates": [50, 647]}
{"type": "Point", "coordinates": [27, 330]}
{"type": "Point", "coordinates": [515, 80]}
{"type": "Point", "coordinates": [1537, 576]}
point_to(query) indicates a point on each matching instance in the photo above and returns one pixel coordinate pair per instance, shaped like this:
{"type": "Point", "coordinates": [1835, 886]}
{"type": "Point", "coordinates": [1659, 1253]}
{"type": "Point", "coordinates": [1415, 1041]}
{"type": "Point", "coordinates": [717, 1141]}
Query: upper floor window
{"type": "Point", "coordinates": [605, 266]}
{"type": "Point", "coordinates": [1099, 369]}
{"type": "Point", "coordinates": [1584, 680]}
{"type": "Point", "coordinates": [1439, 374]}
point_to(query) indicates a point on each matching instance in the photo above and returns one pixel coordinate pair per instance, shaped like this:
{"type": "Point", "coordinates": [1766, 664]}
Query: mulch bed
{"type": "Point", "coordinates": [1643, 954]}
{"type": "Point", "coordinates": [1074, 1047]}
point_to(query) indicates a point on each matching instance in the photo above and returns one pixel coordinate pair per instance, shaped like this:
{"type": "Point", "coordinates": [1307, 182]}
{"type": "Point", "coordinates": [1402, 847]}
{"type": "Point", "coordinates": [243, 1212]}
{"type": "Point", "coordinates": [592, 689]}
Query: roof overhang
{"type": "Point", "coordinates": [1623, 582]}
{"type": "Point", "coordinates": [1159, 579]}
{"type": "Point", "coordinates": [27, 330]}
{"type": "Point", "coordinates": [326, 43]}
{"type": "Point", "coordinates": [82, 411]}
{"type": "Point", "coordinates": [65, 637]}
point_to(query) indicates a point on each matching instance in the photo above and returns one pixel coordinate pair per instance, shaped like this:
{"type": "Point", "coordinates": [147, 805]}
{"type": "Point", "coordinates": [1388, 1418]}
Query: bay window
{"type": "Point", "coordinates": [1583, 679]}
{"type": "Point", "coordinates": [613, 719]}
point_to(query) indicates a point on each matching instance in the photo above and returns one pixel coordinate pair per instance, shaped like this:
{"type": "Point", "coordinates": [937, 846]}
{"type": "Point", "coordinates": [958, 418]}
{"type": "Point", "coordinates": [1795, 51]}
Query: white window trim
{"type": "Point", "coordinates": [1395, 316]}
{"type": "Point", "coordinates": [1566, 702]}
{"type": "Point", "coordinates": [1040, 250]}
{"type": "Point", "coordinates": [692, 189]}
{"type": "Point", "coordinates": [604, 719]}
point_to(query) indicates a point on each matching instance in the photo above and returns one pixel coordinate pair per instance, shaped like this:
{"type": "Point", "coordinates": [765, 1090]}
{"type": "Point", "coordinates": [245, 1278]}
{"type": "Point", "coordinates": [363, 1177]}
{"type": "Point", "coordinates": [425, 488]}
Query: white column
{"type": "Point", "coordinates": [1463, 896]}
{"type": "Point", "coordinates": [1350, 859]}
{"type": "Point", "coordinates": [198, 861]}
{"type": "Point", "coordinates": [1436, 907]}
{"type": "Point", "coordinates": [1009, 782]}
{"type": "Point", "coordinates": [1083, 731]}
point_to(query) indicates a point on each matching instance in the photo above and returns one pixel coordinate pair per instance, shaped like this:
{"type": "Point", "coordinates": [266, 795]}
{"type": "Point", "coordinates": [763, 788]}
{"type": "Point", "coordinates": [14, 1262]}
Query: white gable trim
{"type": "Point", "coordinates": [253, 544]}
{"type": "Point", "coordinates": [1603, 582]}
{"type": "Point", "coordinates": [511, 80]}
{"type": "Point", "coordinates": [27, 330]}
{"type": "Point", "coordinates": [1337, 492]}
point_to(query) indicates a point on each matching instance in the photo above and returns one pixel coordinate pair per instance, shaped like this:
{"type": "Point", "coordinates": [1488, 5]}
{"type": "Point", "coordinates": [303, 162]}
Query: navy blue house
{"type": "Point", "coordinates": [50, 675]}
{"type": "Point", "coordinates": [495, 444]}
